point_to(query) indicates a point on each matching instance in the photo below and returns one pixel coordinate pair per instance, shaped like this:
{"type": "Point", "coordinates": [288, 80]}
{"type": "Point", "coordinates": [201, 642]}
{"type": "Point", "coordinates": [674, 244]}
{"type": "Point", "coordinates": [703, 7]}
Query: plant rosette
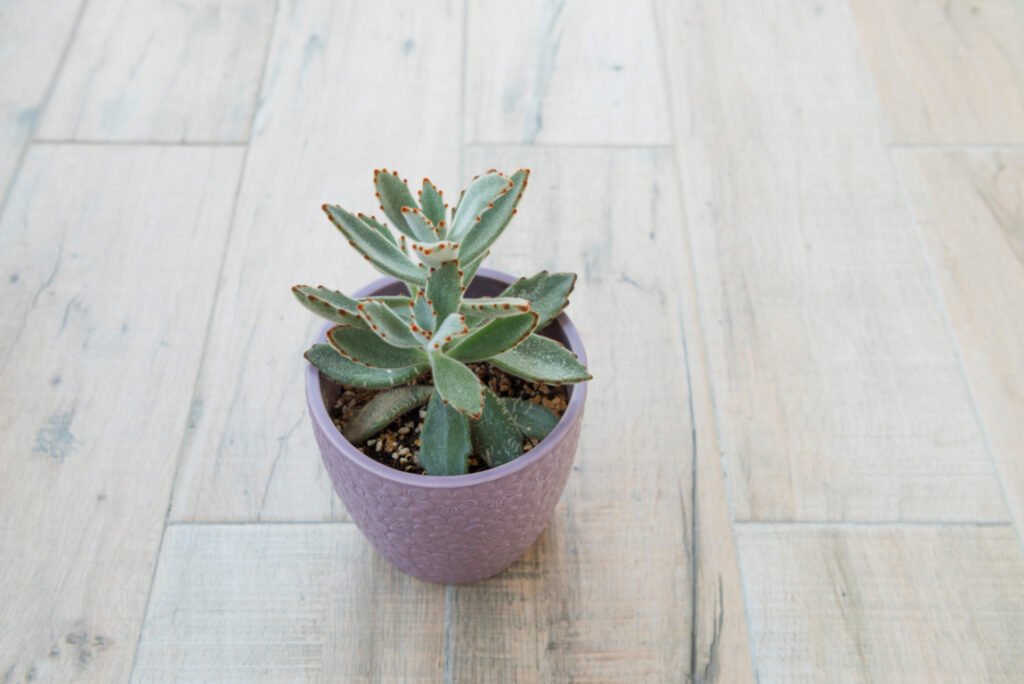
{"type": "Point", "coordinates": [474, 353]}
{"type": "Point", "coordinates": [460, 528]}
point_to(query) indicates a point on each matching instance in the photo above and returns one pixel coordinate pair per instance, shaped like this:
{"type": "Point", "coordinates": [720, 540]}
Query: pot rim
{"type": "Point", "coordinates": [314, 399]}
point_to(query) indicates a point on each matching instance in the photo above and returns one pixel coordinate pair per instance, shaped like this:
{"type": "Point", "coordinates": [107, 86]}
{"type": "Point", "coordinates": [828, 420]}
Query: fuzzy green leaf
{"type": "Point", "coordinates": [481, 195]}
{"type": "Point", "coordinates": [533, 420]}
{"type": "Point", "coordinates": [380, 411]}
{"type": "Point", "coordinates": [452, 328]}
{"type": "Point", "coordinates": [421, 312]}
{"type": "Point", "coordinates": [397, 303]}
{"type": "Point", "coordinates": [457, 384]}
{"type": "Point", "coordinates": [420, 224]}
{"type": "Point", "coordinates": [432, 201]}
{"type": "Point", "coordinates": [445, 441]}
{"type": "Point", "coordinates": [435, 254]}
{"type": "Point", "coordinates": [496, 438]}
{"type": "Point", "coordinates": [344, 372]}
{"type": "Point", "coordinates": [365, 347]}
{"type": "Point", "coordinates": [494, 307]}
{"type": "Point", "coordinates": [496, 337]}
{"type": "Point", "coordinates": [470, 269]}
{"type": "Point", "coordinates": [329, 304]}
{"type": "Point", "coordinates": [378, 226]}
{"type": "Point", "coordinates": [385, 256]}
{"type": "Point", "coordinates": [493, 221]}
{"type": "Point", "coordinates": [542, 360]}
{"type": "Point", "coordinates": [548, 293]}
{"type": "Point", "coordinates": [444, 290]}
{"type": "Point", "coordinates": [394, 194]}
{"type": "Point", "coordinates": [388, 325]}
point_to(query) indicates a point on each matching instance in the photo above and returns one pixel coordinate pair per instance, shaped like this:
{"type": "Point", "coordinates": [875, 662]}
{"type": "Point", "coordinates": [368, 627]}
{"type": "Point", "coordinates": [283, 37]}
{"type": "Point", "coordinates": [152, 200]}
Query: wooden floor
{"type": "Point", "coordinates": [799, 229]}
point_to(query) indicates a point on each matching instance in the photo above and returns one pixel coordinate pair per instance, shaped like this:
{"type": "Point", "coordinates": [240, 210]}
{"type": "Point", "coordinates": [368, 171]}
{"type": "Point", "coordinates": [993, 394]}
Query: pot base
{"type": "Point", "coordinates": [453, 535]}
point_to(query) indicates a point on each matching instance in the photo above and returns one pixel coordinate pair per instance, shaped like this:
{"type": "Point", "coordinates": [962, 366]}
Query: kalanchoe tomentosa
{"type": "Point", "coordinates": [390, 343]}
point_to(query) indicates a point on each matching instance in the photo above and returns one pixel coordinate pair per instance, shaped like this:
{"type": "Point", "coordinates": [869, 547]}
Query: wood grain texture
{"type": "Point", "coordinates": [766, 72]}
{"type": "Point", "coordinates": [947, 72]}
{"type": "Point", "coordinates": [185, 71]}
{"type": "Point", "coordinates": [33, 36]}
{"type": "Point", "coordinates": [721, 643]}
{"type": "Point", "coordinates": [922, 604]}
{"type": "Point", "coordinates": [286, 603]}
{"type": "Point", "coordinates": [838, 392]}
{"type": "Point", "coordinates": [250, 452]}
{"type": "Point", "coordinates": [970, 207]}
{"type": "Point", "coordinates": [606, 593]}
{"type": "Point", "coordinates": [101, 337]}
{"type": "Point", "coordinates": [569, 71]}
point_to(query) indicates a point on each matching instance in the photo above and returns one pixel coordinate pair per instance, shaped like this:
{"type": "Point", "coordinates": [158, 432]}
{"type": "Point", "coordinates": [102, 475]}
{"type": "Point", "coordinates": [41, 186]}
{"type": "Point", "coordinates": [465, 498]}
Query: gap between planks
{"type": "Point", "coordinates": [953, 147]}
{"type": "Point", "coordinates": [951, 334]}
{"type": "Point", "coordinates": [931, 267]}
{"type": "Point", "coordinates": [707, 393]}
{"type": "Point", "coordinates": [43, 105]}
{"type": "Point", "coordinates": [140, 143]}
{"type": "Point", "coordinates": [571, 146]}
{"type": "Point", "coordinates": [681, 321]}
{"type": "Point", "coordinates": [855, 524]}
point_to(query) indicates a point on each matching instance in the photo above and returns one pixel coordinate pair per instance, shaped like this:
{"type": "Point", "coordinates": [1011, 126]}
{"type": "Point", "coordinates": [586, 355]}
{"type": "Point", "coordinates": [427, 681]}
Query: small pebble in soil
{"type": "Point", "coordinates": [397, 444]}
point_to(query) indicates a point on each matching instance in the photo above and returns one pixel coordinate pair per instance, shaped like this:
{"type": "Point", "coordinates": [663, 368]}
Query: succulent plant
{"type": "Point", "coordinates": [390, 343]}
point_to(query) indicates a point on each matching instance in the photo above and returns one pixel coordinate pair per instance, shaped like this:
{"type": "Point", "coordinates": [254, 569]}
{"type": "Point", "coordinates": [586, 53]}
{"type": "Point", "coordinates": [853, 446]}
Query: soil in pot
{"type": "Point", "coordinates": [397, 444]}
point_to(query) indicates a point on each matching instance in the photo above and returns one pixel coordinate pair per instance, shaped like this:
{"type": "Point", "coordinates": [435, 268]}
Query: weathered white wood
{"type": "Point", "coordinates": [969, 206]}
{"type": "Point", "coordinates": [947, 72]}
{"type": "Point", "coordinates": [251, 453]}
{"type": "Point", "coordinates": [877, 604]}
{"type": "Point", "coordinates": [787, 72]}
{"type": "Point", "coordinates": [162, 71]}
{"type": "Point", "coordinates": [838, 392]}
{"type": "Point", "coordinates": [721, 644]}
{"type": "Point", "coordinates": [32, 37]}
{"type": "Point", "coordinates": [576, 71]}
{"type": "Point", "coordinates": [286, 603]}
{"type": "Point", "coordinates": [108, 264]}
{"type": "Point", "coordinates": [606, 594]}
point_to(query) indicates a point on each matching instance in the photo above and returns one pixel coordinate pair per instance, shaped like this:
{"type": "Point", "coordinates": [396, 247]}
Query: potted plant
{"type": "Point", "coordinates": [445, 398]}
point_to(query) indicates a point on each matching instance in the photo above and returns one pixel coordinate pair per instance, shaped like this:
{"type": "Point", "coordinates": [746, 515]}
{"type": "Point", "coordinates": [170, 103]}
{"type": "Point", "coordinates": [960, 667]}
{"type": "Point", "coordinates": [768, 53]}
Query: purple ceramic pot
{"type": "Point", "coordinates": [461, 528]}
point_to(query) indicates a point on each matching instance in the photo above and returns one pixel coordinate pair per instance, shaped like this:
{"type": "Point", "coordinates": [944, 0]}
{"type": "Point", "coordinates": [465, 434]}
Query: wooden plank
{"type": "Point", "coordinates": [606, 593]}
{"type": "Point", "coordinates": [147, 70]}
{"type": "Point", "coordinates": [876, 604]}
{"type": "Point", "coordinates": [580, 72]}
{"type": "Point", "coordinates": [33, 36]}
{"type": "Point", "coordinates": [251, 453]}
{"type": "Point", "coordinates": [286, 603]}
{"type": "Point", "coordinates": [968, 204]}
{"type": "Point", "coordinates": [721, 644]}
{"type": "Point", "coordinates": [106, 297]}
{"type": "Point", "coordinates": [838, 392]}
{"type": "Point", "coordinates": [947, 72]}
{"type": "Point", "coordinates": [721, 647]}
{"type": "Point", "coordinates": [758, 72]}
